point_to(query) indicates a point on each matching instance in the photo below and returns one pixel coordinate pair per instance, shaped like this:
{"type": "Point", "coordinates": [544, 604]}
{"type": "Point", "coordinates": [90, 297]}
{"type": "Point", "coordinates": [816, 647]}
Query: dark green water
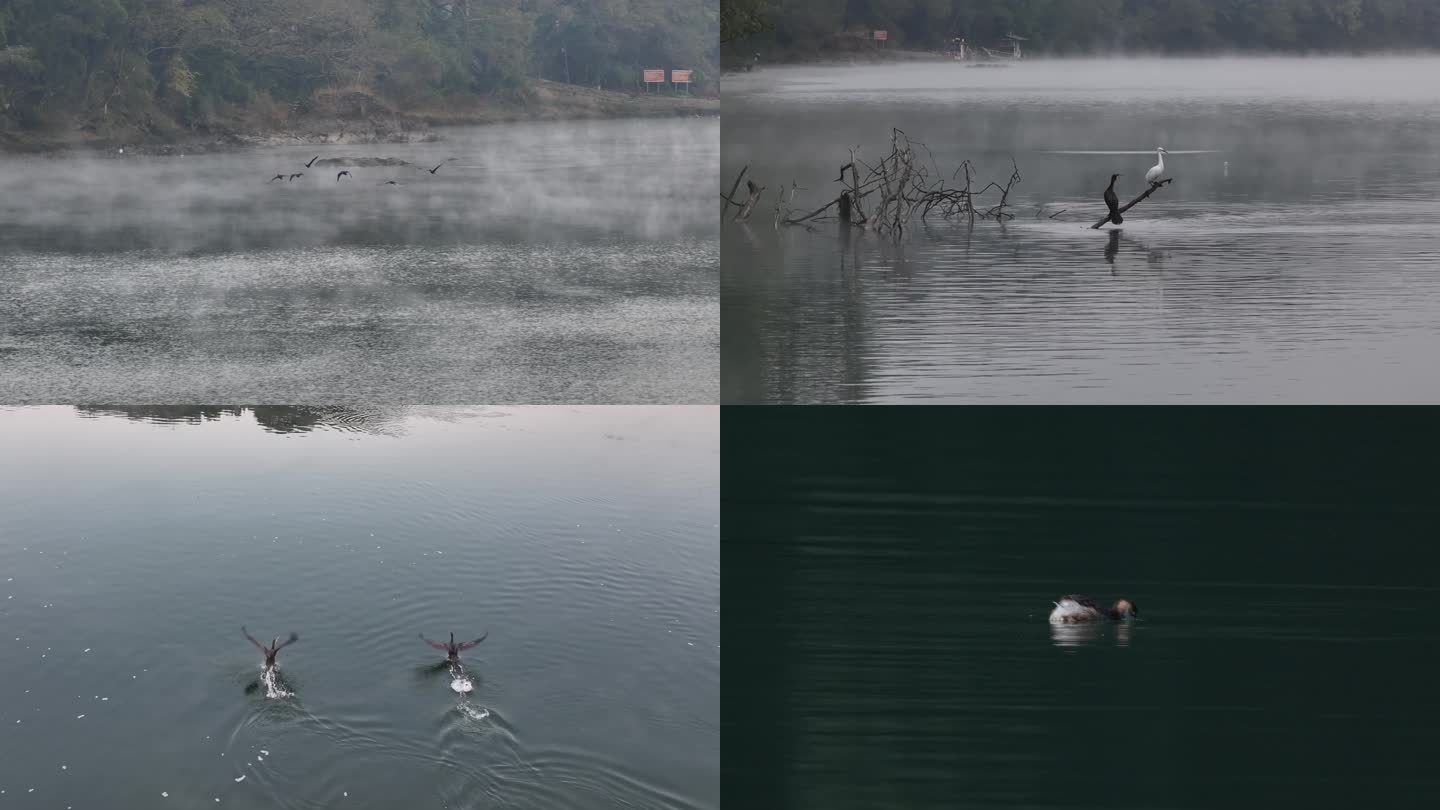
{"type": "Point", "coordinates": [135, 543]}
{"type": "Point", "coordinates": [892, 647]}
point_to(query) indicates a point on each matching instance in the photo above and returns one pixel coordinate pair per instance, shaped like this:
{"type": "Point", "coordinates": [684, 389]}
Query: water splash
{"type": "Point", "coordinates": [274, 688]}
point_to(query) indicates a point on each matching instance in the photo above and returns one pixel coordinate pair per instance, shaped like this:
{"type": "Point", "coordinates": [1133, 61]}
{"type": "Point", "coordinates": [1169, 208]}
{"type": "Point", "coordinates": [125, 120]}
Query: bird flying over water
{"type": "Point", "coordinates": [389, 183]}
{"type": "Point", "coordinates": [453, 649]}
{"type": "Point", "coordinates": [277, 177]}
{"type": "Point", "coordinates": [295, 175]}
{"type": "Point", "coordinates": [312, 160]}
{"type": "Point", "coordinates": [442, 163]}
{"type": "Point", "coordinates": [343, 174]}
{"type": "Point", "coordinates": [273, 649]}
{"type": "Point", "coordinates": [1113, 202]}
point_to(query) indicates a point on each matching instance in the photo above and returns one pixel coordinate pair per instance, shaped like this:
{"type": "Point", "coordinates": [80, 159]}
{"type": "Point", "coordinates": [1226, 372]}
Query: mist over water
{"type": "Point", "coordinates": [1289, 261]}
{"type": "Point", "coordinates": [545, 262]}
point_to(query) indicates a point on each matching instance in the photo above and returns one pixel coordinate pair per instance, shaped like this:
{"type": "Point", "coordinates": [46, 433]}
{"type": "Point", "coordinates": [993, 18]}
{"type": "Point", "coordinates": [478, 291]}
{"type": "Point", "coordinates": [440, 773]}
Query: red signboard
{"type": "Point", "coordinates": [680, 76]}
{"type": "Point", "coordinates": [654, 76]}
{"type": "Point", "coordinates": [882, 35]}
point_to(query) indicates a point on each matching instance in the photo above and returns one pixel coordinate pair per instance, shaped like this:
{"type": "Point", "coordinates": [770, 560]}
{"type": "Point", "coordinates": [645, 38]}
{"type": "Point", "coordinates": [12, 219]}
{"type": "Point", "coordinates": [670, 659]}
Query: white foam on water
{"type": "Point", "coordinates": [474, 713]}
{"type": "Point", "coordinates": [462, 685]}
{"type": "Point", "coordinates": [273, 688]}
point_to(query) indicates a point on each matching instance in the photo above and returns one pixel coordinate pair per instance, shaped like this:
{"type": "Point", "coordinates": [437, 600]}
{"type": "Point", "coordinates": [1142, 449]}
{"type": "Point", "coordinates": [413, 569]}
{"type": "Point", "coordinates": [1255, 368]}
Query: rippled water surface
{"type": "Point", "coordinates": [1292, 260]}
{"type": "Point", "coordinates": [135, 543]}
{"type": "Point", "coordinates": [556, 262]}
{"type": "Point", "coordinates": [893, 649]}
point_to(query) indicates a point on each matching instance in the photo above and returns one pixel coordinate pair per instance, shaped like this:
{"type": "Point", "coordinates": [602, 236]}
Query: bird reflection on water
{"type": "Point", "coordinates": [1154, 257]}
{"type": "Point", "coordinates": [1113, 246]}
{"type": "Point", "coordinates": [1084, 635]}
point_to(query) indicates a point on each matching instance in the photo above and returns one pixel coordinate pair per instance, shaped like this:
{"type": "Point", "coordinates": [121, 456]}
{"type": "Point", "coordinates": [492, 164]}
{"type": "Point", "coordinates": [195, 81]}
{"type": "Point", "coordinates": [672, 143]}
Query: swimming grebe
{"type": "Point", "coordinates": [1075, 608]}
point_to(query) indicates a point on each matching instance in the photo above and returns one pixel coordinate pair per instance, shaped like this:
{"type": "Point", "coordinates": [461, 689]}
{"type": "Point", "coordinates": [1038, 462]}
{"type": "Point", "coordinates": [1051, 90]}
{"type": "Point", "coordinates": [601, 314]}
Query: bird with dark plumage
{"type": "Point", "coordinates": [343, 174]}
{"type": "Point", "coordinates": [1113, 202]}
{"type": "Point", "coordinates": [277, 177]}
{"type": "Point", "coordinates": [312, 160]}
{"type": "Point", "coordinates": [295, 175]}
{"type": "Point", "coordinates": [273, 648]}
{"type": "Point", "coordinates": [442, 163]}
{"type": "Point", "coordinates": [453, 648]}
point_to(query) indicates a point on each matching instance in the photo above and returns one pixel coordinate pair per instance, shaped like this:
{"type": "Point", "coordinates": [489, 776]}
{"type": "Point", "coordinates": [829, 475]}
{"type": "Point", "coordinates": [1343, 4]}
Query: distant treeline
{"type": "Point", "coordinates": [181, 60]}
{"type": "Point", "coordinates": [1074, 26]}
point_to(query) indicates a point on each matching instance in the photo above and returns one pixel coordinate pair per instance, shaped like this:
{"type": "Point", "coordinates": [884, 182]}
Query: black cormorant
{"type": "Point", "coordinates": [277, 177]}
{"type": "Point", "coordinates": [342, 174]}
{"type": "Point", "coordinates": [452, 649]}
{"type": "Point", "coordinates": [1113, 202]}
{"type": "Point", "coordinates": [295, 175]}
{"type": "Point", "coordinates": [312, 160]}
{"type": "Point", "coordinates": [273, 649]}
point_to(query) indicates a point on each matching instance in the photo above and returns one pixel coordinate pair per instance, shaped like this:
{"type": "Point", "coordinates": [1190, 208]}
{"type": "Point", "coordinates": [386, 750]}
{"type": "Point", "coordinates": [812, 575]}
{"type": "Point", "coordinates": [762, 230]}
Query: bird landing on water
{"type": "Point", "coordinates": [1076, 608]}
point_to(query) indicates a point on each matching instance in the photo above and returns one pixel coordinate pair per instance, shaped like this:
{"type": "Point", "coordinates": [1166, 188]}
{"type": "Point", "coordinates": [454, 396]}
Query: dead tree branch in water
{"type": "Point", "coordinates": [900, 187]}
{"type": "Point", "coordinates": [750, 202]}
{"type": "Point", "coordinates": [730, 198]}
{"type": "Point", "coordinates": [1155, 186]}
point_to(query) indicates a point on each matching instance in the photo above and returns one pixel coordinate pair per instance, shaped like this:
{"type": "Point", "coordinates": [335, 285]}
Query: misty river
{"type": "Point", "coordinates": [1292, 260]}
{"type": "Point", "coordinates": [541, 262]}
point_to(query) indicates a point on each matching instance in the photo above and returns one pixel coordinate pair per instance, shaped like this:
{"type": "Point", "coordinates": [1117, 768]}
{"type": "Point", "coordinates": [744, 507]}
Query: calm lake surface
{"type": "Point", "coordinates": [135, 543]}
{"type": "Point", "coordinates": [893, 649]}
{"type": "Point", "coordinates": [1292, 260]}
{"type": "Point", "coordinates": [554, 262]}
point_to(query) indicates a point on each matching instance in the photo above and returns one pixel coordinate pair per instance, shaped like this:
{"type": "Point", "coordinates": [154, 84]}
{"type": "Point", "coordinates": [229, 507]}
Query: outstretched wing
{"type": "Point", "coordinates": [1081, 600]}
{"type": "Point", "coordinates": [437, 645]}
{"type": "Point", "coordinates": [468, 644]}
{"type": "Point", "coordinates": [294, 637]}
{"type": "Point", "coordinates": [258, 645]}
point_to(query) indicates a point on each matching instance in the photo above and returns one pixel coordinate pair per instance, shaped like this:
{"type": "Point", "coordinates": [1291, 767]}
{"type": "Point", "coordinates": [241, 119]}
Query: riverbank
{"type": "Point", "coordinates": [354, 116]}
{"type": "Point", "coordinates": [736, 62]}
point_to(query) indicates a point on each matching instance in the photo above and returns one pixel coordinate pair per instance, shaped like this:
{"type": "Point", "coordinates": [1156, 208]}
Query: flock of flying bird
{"type": "Point", "coordinates": [1152, 177]}
{"type": "Point", "coordinates": [343, 173]}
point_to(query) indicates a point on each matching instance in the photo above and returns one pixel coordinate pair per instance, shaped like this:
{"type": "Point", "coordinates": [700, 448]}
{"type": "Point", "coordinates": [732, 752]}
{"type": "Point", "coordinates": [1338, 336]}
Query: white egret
{"type": "Point", "coordinates": [1159, 168]}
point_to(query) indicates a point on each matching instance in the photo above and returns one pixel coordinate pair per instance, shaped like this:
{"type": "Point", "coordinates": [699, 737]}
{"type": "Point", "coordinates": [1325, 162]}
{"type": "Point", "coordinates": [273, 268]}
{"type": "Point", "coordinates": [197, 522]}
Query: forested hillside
{"type": "Point", "coordinates": [158, 65]}
{"type": "Point", "coordinates": [1069, 26]}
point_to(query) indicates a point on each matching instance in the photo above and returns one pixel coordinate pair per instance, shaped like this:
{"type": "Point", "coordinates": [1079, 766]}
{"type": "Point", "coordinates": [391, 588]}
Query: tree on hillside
{"type": "Point", "coordinates": [143, 63]}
